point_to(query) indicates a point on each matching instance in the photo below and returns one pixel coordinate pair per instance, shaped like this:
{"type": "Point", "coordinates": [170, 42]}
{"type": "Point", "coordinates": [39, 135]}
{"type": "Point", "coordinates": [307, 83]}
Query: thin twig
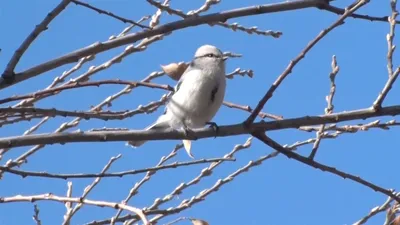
{"type": "Point", "coordinates": [390, 37]}
{"type": "Point", "coordinates": [24, 174]}
{"type": "Point", "coordinates": [73, 85]}
{"type": "Point", "coordinates": [51, 197]}
{"type": "Point", "coordinates": [181, 187]}
{"type": "Point", "coordinates": [35, 216]}
{"type": "Point", "coordinates": [70, 214]}
{"type": "Point", "coordinates": [68, 205]}
{"type": "Point", "coordinates": [135, 189]}
{"type": "Point", "coordinates": [377, 105]}
{"type": "Point", "coordinates": [195, 13]}
{"type": "Point", "coordinates": [247, 108]}
{"type": "Point", "coordinates": [376, 210]}
{"type": "Point", "coordinates": [124, 20]}
{"type": "Point", "coordinates": [329, 108]}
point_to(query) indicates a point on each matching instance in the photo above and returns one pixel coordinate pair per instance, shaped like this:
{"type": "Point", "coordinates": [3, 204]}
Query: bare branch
{"type": "Point", "coordinates": [9, 74]}
{"type": "Point", "coordinates": [180, 188]}
{"type": "Point", "coordinates": [390, 36]}
{"type": "Point", "coordinates": [36, 215]}
{"type": "Point", "coordinates": [247, 108]}
{"type": "Point", "coordinates": [89, 188]}
{"type": "Point", "coordinates": [135, 189]}
{"type": "Point", "coordinates": [234, 26]}
{"type": "Point", "coordinates": [109, 14]}
{"type": "Point", "coordinates": [340, 11]}
{"type": "Point", "coordinates": [376, 210]}
{"type": "Point", "coordinates": [51, 197]}
{"type": "Point", "coordinates": [377, 105]}
{"type": "Point", "coordinates": [73, 85]}
{"type": "Point", "coordinates": [170, 134]}
{"type": "Point", "coordinates": [329, 108]}
{"type": "Point", "coordinates": [299, 57]}
{"type": "Point", "coordinates": [292, 155]}
{"type": "Point", "coordinates": [163, 29]}
{"type": "Point", "coordinates": [24, 174]}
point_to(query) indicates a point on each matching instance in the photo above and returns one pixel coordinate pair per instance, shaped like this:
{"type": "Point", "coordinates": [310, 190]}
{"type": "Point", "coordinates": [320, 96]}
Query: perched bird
{"type": "Point", "coordinates": [198, 95]}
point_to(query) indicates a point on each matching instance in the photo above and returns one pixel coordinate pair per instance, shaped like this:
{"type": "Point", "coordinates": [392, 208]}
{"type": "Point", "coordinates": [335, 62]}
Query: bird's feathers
{"type": "Point", "coordinates": [197, 96]}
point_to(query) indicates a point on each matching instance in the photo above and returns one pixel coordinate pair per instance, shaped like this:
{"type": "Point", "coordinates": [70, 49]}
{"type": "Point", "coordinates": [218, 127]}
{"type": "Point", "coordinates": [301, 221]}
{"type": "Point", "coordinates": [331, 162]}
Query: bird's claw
{"type": "Point", "coordinates": [215, 127]}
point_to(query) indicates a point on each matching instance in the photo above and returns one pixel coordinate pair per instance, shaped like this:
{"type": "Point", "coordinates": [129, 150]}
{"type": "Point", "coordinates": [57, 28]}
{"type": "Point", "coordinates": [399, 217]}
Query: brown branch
{"type": "Point", "coordinates": [170, 134]}
{"type": "Point", "coordinates": [100, 11]}
{"type": "Point", "coordinates": [35, 216]}
{"type": "Point", "coordinates": [70, 213]}
{"type": "Point", "coordinates": [340, 11]}
{"type": "Point", "coordinates": [24, 174]}
{"type": "Point", "coordinates": [376, 210]}
{"type": "Point", "coordinates": [51, 197]}
{"type": "Point", "coordinates": [135, 189]}
{"type": "Point", "coordinates": [234, 26]}
{"type": "Point", "coordinates": [390, 37]}
{"type": "Point", "coordinates": [247, 108]}
{"type": "Point", "coordinates": [9, 74]}
{"type": "Point", "coordinates": [40, 112]}
{"type": "Point", "coordinates": [73, 85]}
{"type": "Point", "coordinates": [180, 188]}
{"type": "Point", "coordinates": [292, 155]}
{"type": "Point", "coordinates": [392, 75]}
{"type": "Point", "coordinates": [299, 57]}
{"type": "Point", "coordinates": [163, 29]}
{"type": "Point", "coordinates": [377, 105]}
{"type": "Point", "coordinates": [329, 108]}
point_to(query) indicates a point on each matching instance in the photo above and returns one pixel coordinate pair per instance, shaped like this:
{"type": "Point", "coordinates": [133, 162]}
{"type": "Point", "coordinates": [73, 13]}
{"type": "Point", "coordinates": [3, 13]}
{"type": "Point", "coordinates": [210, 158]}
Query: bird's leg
{"type": "Point", "coordinates": [186, 130]}
{"type": "Point", "coordinates": [214, 126]}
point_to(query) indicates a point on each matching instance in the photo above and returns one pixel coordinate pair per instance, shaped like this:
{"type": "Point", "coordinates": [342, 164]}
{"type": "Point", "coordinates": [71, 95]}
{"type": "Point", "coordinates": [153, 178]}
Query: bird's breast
{"type": "Point", "coordinates": [199, 97]}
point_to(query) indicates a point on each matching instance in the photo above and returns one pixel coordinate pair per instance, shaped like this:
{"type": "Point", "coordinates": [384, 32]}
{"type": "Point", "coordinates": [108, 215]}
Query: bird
{"type": "Point", "coordinates": [197, 96]}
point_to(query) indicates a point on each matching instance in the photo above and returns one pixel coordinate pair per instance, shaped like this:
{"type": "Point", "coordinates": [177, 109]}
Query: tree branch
{"type": "Point", "coordinates": [124, 20]}
{"type": "Point", "coordinates": [166, 28]}
{"type": "Point", "coordinates": [9, 74]}
{"type": "Point", "coordinates": [73, 85]}
{"type": "Point", "coordinates": [24, 174]}
{"type": "Point", "coordinates": [292, 155]}
{"type": "Point", "coordinates": [298, 58]}
{"type": "Point", "coordinates": [170, 134]}
{"type": "Point", "coordinates": [51, 197]}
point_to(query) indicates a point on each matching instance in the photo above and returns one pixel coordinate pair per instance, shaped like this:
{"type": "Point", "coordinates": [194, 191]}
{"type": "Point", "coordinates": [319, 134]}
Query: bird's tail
{"type": "Point", "coordinates": [156, 125]}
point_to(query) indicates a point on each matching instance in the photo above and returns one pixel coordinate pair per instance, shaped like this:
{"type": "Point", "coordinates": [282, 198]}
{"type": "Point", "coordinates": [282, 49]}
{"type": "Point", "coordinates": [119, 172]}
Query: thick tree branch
{"type": "Point", "coordinates": [9, 74]}
{"type": "Point", "coordinates": [292, 155]}
{"type": "Point", "coordinates": [170, 134]}
{"type": "Point", "coordinates": [166, 28]}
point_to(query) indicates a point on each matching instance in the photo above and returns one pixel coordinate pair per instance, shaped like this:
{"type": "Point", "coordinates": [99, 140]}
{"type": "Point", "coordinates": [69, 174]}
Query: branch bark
{"type": "Point", "coordinates": [170, 134]}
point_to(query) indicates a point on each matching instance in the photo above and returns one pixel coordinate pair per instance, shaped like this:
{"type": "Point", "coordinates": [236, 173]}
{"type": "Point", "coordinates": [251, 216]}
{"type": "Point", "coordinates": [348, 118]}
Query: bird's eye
{"type": "Point", "coordinates": [210, 55]}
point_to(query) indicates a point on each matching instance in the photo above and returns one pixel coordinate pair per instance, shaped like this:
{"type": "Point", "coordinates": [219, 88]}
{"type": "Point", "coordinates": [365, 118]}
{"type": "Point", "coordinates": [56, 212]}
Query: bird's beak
{"type": "Point", "coordinates": [225, 58]}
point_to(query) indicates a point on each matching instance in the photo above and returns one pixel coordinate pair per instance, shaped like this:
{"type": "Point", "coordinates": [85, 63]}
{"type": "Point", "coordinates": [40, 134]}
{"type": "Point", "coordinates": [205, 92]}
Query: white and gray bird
{"type": "Point", "coordinates": [198, 95]}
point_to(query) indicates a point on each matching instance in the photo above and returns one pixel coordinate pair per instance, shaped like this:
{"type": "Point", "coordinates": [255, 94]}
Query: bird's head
{"type": "Point", "coordinates": [208, 55]}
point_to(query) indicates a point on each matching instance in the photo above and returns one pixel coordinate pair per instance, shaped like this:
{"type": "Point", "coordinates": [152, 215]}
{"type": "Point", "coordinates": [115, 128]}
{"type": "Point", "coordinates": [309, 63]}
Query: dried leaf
{"type": "Point", "coordinates": [198, 222]}
{"type": "Point", "coordinates": [188, 147]}
{"type": "Point", "coordinates": [175, 70]}
{"type": "Point", "coordinates": [396, 221]}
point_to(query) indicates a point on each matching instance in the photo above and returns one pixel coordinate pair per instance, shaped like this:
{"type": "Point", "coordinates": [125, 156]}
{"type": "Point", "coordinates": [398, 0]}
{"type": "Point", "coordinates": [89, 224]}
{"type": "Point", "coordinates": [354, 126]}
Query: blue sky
{"type": "Point", "coordinates": [280, 191]}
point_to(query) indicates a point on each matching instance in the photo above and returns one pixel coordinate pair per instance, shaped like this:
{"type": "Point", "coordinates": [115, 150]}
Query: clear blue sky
{"type": "Point", "coordinates": [280, 191]}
